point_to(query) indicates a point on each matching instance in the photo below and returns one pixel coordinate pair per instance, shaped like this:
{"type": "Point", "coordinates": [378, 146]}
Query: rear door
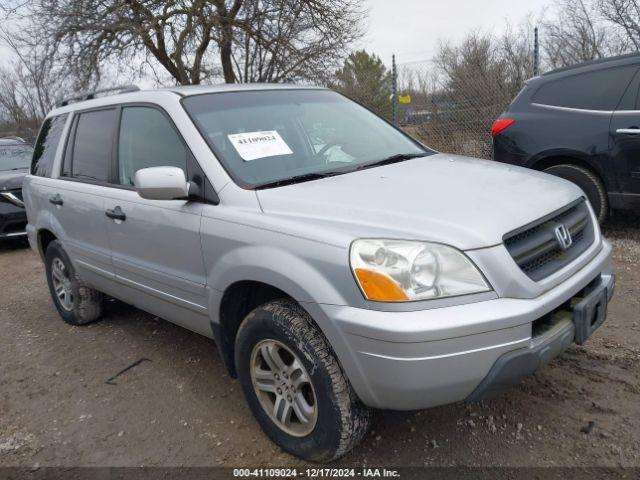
{"type": "Point", "coordinates": [625, 139]}
{"type": "Point", "coordinates": [156, 243]}
{"type": "Point", "coordinates": [76, 199]}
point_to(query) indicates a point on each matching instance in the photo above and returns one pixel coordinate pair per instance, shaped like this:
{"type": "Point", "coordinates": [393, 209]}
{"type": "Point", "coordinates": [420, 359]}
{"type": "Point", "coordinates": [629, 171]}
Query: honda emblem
{"type": "Point", "coordinates": [563, 235]}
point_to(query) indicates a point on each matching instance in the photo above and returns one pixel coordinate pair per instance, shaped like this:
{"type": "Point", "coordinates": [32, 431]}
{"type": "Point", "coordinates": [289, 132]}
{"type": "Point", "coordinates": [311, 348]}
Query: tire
{"type": "Point", "coordinates": [340, 420]}
{"type": "Point", "coordinates": [590, 184]}
{"type": "Point", "coordinates": [85, 304]}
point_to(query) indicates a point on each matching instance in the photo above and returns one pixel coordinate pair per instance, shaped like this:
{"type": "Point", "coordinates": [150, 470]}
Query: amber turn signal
{"type": "Point", "coordinates": [379, 287]}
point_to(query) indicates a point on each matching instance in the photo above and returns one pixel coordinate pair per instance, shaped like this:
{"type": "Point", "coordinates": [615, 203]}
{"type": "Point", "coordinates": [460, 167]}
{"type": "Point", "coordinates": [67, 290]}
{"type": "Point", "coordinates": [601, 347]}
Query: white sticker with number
{"type": "Point", "coordinates": [255, 145]}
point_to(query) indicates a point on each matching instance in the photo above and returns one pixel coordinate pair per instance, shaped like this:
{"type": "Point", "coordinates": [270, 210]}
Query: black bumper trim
{"type": "Point", "coordinates": [513, 366]}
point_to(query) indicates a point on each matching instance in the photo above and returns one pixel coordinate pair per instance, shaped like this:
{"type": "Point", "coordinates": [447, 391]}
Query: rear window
{"type": "Point", "coordinates": [47, 145]}
{"type": "Point", "coordinates": [92, 146]}
{"type": "Point", "coordinates": [599, 90]}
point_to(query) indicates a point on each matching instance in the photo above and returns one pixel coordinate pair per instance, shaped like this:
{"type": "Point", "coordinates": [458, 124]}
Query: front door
{"type": "Point", "coordinates": [625, 141]}
{"type": "Point", "coordinates": [625, 135]}
{"type": "Point", "coordinates": [155, 244]}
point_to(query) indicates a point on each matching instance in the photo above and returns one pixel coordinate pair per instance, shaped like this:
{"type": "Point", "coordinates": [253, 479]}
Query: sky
{"type": "Point", "coordinates": [412, 29]}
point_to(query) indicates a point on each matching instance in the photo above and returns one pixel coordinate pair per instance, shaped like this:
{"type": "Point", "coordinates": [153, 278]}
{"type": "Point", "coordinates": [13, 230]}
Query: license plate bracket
{"type": "Point", "coordinates": [590, 313]}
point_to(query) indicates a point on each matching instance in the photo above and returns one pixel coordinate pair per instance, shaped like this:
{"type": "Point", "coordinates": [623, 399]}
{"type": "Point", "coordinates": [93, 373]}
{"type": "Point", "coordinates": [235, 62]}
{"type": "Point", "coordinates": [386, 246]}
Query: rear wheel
{"type": "Point", "coordinates": [590, 184]}
{"type": "Point", "coordinates": [77, 303]}
{"type": "Point", "coordinates": [294, 384]}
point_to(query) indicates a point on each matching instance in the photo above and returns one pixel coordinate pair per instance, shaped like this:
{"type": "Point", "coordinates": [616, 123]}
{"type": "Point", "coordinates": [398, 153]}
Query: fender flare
{"type": "Point", "coordinates": [578, 157]}
{"type": "Point", "coordinates": [47, 221]}
{"type": "Point", "coordinates": [265, 264]}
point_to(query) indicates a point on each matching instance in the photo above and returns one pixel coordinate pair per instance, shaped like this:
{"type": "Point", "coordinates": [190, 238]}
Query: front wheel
{"type": "Point", "coordinates": [295, 386]}
{"type": "Point", "coordinates": [590, 184]}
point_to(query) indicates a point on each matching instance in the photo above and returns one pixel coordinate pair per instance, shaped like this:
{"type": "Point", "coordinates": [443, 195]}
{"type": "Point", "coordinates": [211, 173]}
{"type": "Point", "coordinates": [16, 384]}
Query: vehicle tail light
{"type": "Point", "coordinates": [501, 124]}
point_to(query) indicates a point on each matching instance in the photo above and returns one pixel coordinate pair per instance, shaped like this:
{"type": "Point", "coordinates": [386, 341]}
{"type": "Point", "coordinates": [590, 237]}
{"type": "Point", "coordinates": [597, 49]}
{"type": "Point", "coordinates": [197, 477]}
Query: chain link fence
{"type": "Point", "coordinates": [452, 111]}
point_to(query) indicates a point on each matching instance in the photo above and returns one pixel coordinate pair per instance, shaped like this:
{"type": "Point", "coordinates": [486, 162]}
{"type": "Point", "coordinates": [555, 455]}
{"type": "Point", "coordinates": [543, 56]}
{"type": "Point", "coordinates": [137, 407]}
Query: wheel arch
{"type": "Point", "coordinates": [45, 237]}
{"type": "Point", "coordinates": [552, 158]}
{"type": "Point", "coordinates": [250, 276]}
{"type": "Point", "coordinates": [236, 302]}
{"type": "Point", "coordinates": [47, 228]}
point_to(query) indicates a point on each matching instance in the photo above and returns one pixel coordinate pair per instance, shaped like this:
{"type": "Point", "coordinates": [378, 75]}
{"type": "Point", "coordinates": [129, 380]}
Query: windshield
{"type": "Point", "coordinates": [266, 137]}
{"type": "Point", "coordinates": [15, 157]}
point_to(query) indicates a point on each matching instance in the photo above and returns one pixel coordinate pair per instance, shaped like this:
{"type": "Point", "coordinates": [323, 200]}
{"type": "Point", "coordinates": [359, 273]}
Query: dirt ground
{"type": "Point", "coordinates": [180, 408]}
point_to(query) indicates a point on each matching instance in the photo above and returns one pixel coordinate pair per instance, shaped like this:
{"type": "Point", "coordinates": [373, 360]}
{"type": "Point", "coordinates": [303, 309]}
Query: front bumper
{"type": "Point", "coordinates": [419, 359]}
{"type": "Point", "coordinates": [560, 329]}
{"type": "Point", "coordinates": [13, 220]}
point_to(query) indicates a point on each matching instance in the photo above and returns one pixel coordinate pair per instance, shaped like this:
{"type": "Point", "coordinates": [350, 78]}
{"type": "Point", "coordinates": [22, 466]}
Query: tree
{"type": "Point", "coordinates": [476, 78]}
{"type": "Point", "coordinates": [194, 40]}
{"type": "Point", "coordinates": [625, 15]}
{"type": "Point", "coordinates": [31, 83]}
{"type": "Point", "coordinates": [364, 78]}
{"type": "Point", "coordinates": [293, 39]}
{"type": "Point", "coordinates": [579, 32]}
{"type": "Point", "coordinates": [459, 94]}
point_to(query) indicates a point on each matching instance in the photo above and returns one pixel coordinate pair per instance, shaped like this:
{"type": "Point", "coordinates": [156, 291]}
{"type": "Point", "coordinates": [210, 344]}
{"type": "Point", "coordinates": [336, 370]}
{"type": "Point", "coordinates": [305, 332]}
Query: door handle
{"type": "Point", "coordinates": [628, 131]}
{"type": "Point", "coordinates": [116, 214]}
{"type": "Point", "coordinates": [56, 200]}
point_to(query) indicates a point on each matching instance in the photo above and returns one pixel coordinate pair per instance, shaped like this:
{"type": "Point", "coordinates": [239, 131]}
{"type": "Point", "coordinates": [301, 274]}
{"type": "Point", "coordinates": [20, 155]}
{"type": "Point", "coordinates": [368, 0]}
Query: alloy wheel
{"type": "Point", "coordinates": [62, 284]}
{"type": "Point", "coordinates": [283, 387]}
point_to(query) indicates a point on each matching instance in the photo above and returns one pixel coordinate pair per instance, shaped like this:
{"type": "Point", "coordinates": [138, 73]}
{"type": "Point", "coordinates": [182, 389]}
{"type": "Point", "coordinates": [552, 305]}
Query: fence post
{"type": "Point", "coordinates": [394, 90]}
{"type": "Point", "coordinates": [536, 53]}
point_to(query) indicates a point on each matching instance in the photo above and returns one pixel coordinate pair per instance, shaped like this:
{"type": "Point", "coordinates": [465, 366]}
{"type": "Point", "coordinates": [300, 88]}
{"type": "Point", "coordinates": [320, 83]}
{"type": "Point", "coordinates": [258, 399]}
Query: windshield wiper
{"type": "Point", "coordinates": [401, 157]}
{"type": "Point", "coordinates": [306, 177]}
{"type": "Point", "coordinates": [397, 158]}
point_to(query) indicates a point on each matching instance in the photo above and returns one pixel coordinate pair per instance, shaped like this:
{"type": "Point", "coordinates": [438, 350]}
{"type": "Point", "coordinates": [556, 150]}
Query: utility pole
{"type": "Point", "coordinates": [536, 53]}
{"type": "Point", "coordinates": [394, 90]}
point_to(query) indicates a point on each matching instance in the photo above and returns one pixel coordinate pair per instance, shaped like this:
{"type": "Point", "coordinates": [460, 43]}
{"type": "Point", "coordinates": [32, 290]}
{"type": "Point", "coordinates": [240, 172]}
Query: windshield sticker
{"type": "Point", "coordinates": [255, 145]}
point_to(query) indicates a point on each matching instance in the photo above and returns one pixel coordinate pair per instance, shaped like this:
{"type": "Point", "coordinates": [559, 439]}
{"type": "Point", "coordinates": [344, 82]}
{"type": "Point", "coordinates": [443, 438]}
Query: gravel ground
{"type": "Point", "coordinates": [178, 407]}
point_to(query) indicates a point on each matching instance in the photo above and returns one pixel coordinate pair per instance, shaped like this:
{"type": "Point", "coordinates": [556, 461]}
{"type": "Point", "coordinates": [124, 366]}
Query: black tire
{"type": "Point", "coordinates": [590, 184]}
{"type": "Point", "coordinates": [86, 303]}
{"type": "Point", "coordinates": [342, 420]}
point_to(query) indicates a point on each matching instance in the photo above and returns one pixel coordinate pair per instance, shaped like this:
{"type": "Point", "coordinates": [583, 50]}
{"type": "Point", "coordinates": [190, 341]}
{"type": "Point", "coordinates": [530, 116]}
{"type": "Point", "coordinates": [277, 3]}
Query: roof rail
{"type": "Point", "coordinates": [92, 95]}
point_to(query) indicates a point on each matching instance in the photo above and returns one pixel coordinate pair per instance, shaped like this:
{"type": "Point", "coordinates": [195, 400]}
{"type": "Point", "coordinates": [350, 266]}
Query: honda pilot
{"type": "Point", "coordinates": [340, 265]}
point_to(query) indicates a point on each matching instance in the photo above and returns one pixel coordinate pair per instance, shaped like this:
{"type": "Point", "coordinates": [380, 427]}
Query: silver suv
{"type": "Point", "coordinates": [339, 264]}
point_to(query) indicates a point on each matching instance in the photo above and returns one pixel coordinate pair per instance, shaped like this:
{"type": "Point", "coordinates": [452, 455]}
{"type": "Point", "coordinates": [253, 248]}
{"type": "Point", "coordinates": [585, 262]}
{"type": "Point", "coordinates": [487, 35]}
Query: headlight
{"type": "Point", "coordinates": [404, 271]}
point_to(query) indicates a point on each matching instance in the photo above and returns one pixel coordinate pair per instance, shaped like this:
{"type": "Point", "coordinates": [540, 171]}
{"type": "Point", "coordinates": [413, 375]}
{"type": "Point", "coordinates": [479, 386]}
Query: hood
{"type": "Point", "coordinates": [12, 180]}
{"type": "Point", "coordinates": [460, 201]}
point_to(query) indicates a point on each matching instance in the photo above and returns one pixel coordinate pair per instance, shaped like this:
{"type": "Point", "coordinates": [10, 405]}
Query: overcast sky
{"type": "Point", "coordinates": [412, 28]}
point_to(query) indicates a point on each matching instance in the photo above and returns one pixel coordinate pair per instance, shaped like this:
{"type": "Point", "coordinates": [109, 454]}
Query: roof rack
{"type": "Point", "coordinates": [92, 95]}
{"type": "Point", "coordinates": [597, 61]}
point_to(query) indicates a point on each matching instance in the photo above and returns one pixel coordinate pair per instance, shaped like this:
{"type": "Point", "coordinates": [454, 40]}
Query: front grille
{"type": "Point", "coordinates": [536, 249]}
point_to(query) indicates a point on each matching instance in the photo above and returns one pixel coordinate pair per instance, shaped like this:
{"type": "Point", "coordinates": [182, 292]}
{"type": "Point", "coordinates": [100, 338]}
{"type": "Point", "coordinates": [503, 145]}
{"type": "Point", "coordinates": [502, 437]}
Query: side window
{"type": "Point", "coordinates": [47, 145]}
{"type": "Point", "coordinates": [630, 98]}
{"type": "Point", "coordinates": [92, 144]}
{"type": "Point", "coordinates": [147, 139]}
{"type": "Point", "coordinates": [599, 90]}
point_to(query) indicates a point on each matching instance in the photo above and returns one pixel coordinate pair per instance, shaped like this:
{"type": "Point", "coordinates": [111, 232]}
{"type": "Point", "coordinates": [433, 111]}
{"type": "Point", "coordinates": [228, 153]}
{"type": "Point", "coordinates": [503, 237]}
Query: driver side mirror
{"type": "Point", "coordinates": [161, 183]}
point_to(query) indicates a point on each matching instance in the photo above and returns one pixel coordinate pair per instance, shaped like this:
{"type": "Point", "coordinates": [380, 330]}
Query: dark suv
{"type": "Point", "coordinates": [15, 160]}
{"type": "Point", "coordinates": [581, 123]}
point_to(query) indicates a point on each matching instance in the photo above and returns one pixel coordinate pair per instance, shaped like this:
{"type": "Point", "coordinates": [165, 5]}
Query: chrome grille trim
{"type": "Point", "coordinates": [13, 196]}
{"type": "Point", "coordinates": [535, 248]}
